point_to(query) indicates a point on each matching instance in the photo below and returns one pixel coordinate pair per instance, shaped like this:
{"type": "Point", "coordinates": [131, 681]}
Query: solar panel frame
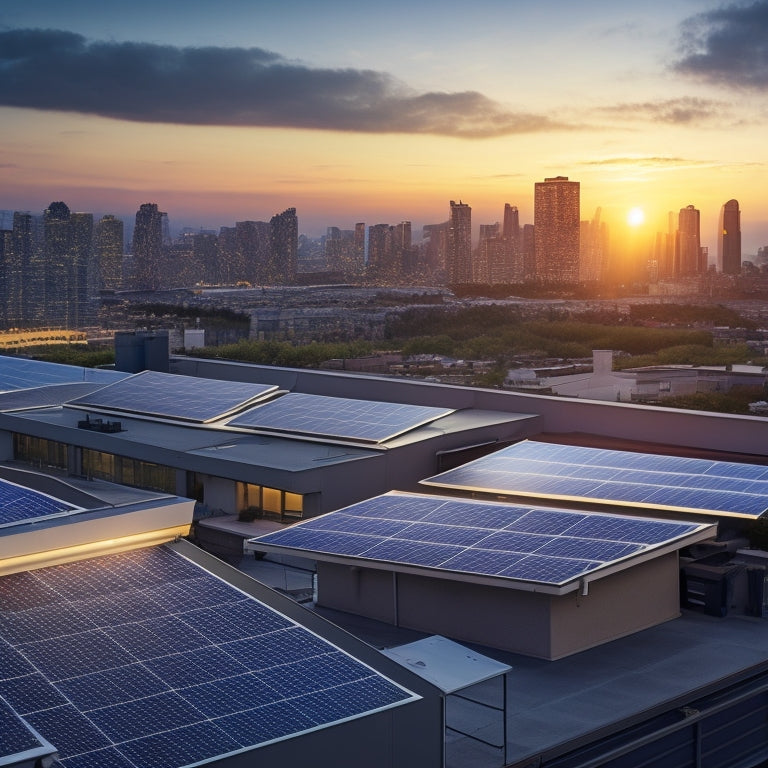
{"type": "Point", "coordinates": [174, 397]}
{"type": "Point", "coordinates": [568, 544]}
{"type": "Point", "coordinates": [320, 416]}
{"type": "Point", "coordinates": [133, 693]}
{"type": "Point", "coordinates": [596, 475]}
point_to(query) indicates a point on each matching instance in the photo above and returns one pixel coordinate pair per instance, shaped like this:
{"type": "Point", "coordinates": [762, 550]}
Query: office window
{"type": "Point", "coordinates": [40, 452]}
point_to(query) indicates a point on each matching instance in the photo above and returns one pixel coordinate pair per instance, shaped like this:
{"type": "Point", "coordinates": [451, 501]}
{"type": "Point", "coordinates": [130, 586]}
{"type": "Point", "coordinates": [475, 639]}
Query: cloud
{"type": "Point", "coordinates": [727, 46]}
{"type": "Point", "coordinates": [57, 70]}
{"type": "Point", "coordinates": [681, 111]}
{"type": "Point", "coordinates": [640, 161]}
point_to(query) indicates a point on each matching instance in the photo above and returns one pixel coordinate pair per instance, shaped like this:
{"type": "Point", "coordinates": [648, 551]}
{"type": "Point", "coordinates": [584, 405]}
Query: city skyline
{"type": "Point", "coordinates": [239, 111]}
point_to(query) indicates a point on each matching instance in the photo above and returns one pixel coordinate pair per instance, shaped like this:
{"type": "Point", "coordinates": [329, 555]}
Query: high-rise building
{"type": "Point", "coordinates": [148, 247]}
{"type": "Point", "coordinates": [458, 262]}
{"type": "Point", "coordinates": [688, 243]}
{"type": "Point", "coordinates": [252, 261]}
{"type": "Point", "coordinates": [284, 239]}
{"type": "Point", "coordinates": [379, 247]}
{"type": "Point", "coordinates": [729, 239]}
{"type": "Point", "coordinates": [80, 309]}
{"type": "Point", "coordinates": [594, 249]}
{"type": "Point", "coordinates": [108, 251]}
{"type": "Point", "coordinates": [556, 218]}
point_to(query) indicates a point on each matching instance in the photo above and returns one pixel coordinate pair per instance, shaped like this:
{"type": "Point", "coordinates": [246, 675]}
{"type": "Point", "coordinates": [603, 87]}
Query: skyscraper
{"type": "Point", "coordinates": [729, 239]}
{"type": "Point", "coordinates": [285, 246]}
{"type": "Point", "coordinates": [688, 243]}
{"type": "Point", "coordinates": [148, 247]}
{"type": "Point", "coordinates": [108, 244]}
{"type": "Point", "coordinates": [458, 262]}
{"type": "Point", "coordinates": [556, 220]}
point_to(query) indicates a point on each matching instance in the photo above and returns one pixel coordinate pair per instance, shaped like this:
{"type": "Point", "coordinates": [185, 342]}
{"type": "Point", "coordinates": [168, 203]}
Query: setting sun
{"type": "Point", "coordinates": [635, 217]}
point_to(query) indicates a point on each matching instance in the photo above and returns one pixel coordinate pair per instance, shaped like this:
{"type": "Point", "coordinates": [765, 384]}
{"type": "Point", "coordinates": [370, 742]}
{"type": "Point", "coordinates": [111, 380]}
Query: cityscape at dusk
{"type": "Point", "coordinates": [351, 113]}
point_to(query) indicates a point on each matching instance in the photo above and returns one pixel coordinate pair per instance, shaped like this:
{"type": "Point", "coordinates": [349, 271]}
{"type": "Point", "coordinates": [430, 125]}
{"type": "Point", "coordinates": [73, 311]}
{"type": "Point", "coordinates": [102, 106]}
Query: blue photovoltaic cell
{"type": "Point", "coordinates": [15, 736]}
{"type": "Point", "coordinates": [479, 537]}
{"type": "Point", "coordinates": [619, 477]}
{"type": "Point", "coordinates": [178, 683]}
{"type": "Point", "coordinates": [167, 395]}
{"type": "Point", "coordinates": [18, 373]}
{"type": "Point", "coordinates": [344, 418]}
{"type": "Point", "coordinates": [20, 505]}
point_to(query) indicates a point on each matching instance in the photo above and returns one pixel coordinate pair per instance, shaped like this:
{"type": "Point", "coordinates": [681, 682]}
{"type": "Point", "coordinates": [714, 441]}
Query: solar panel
{"type": "Point", "coordinates": [44, 396]}
{"type": "Point", "coordinates": [478, 537]}
{"type": "Point", "coordinates": [344, 418]}
{"type": "Point", "coordinates": [16, 738]}
{"type": "Point", "coordinates": [20, 373]}
{"type": "Point", "coordinates": [22, 505]}
{"type": "Point", "coordinates": [116, 671]}
{"type": "Point", "coordinates": [573, 473]}
{"type": "Point", "coordinates": [166, 395]}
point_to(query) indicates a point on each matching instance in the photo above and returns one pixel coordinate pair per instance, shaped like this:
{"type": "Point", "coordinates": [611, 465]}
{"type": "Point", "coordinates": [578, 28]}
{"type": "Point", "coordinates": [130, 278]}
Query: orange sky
{"type": "Point", "coordinates": [477, 108]}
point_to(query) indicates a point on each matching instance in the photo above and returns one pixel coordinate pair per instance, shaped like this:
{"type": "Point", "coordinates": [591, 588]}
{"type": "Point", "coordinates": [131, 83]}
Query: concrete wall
{"type": "Point", "coordinates": [531, 623]}
{"type": "Point", "coordinates": [690, 429]}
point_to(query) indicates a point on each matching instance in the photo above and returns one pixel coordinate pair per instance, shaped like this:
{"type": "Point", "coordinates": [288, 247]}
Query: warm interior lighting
{"type": "Point", "coordinates": [35, 560]}
{"type": "Point", "coordinates": [635, 217]}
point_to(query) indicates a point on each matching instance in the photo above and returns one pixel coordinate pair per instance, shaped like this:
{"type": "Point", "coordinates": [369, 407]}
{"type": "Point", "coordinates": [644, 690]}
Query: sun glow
{"type": "Point", "coordinates": [635, 217]}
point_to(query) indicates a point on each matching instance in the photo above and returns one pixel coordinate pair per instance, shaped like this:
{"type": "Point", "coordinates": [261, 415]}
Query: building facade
{"type": "Point", "coordinates": [459, 255]}
{"type": "Point", "coordinates": [557, 226]}
{"type": "Point", "coordinates": [729, 239]}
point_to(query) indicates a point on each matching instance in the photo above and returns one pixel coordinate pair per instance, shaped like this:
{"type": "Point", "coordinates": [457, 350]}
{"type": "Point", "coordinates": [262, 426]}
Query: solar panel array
{"type": "Point", "coordinates": [21, 505]}
{"type": "Point", "coordinates": [44, 396]}
{"type": "Point", "coordinates": [570, 472]}
{"type": "Point", "coordinates": [522, 543]}
{"type": "Point", "coordinates": [18, 373]}
{"type": "Point", "coordinates": [166, 395]}
{"type": "Point", "coordinates": [15, 737]}
{"type": "Point", "coordinates": [345, 418]}
{"type": "Point", "coordinates": [145, 660]}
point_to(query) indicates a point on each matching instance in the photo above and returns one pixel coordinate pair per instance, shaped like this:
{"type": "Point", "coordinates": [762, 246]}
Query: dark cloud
{"type": "Point", "coordinates": [674, 111]}
{"type": "Point", "coordinates": [57, 70]}
{"type": "Point", "coordinates": [727, 46]}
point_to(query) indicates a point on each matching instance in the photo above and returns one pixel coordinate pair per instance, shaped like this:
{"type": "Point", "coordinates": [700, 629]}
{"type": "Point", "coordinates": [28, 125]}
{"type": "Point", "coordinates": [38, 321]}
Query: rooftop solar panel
{"type": "Point", "coordinates": [576, 473]}
{"type": "Point", "coordinates": [17, 740]}
{"type": "Point", "coordinates": [339, 417]}
{"type": "Point", "coordinates": [23, 505]}
{"type": "Point", "coordinates": [512, 542]}
{"type": "Point", "coordinates": [166, 395]}
{"type": "Point", "coordinates": [19, 373]}
{"type": "Point", "coordinates": [156, 681]}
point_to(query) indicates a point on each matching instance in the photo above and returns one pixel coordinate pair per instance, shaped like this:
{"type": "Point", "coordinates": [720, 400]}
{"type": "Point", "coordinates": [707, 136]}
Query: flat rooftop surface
{"type": "Point", "coordinates": [553, 703]}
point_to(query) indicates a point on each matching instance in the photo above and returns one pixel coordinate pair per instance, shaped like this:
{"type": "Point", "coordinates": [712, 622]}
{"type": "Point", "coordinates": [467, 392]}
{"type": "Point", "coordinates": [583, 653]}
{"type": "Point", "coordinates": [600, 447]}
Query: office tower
{"type": "Point", "coordinates": [147, 247]}
{"type": "Point", "coordinates": [66, 248]}
{"type": "Point", "coordinates": [5, 255]}
{"type": "Point", "coordinates": [528, 253]}
{"type": "Point", "coordinates": [488, 263]}
{"type": "Point", "coordinates": [252, 261]}
{"type": "Point", "coordinates": [511, 229]}
{"type": "Point", "coordinates": [729, 239]}
{"type": "Point", "coordinates": [593, 249]}
{"type": "Point", "coordinates": [108, 252]}
{"type": "Point", "coordinates": [358, 261]}
{"type": "Point", "coordinates": [435, 249]}
{"type": "Point", "coordinates": [205, 252]}
{"type": "Point", "coordinates": [81, 310]}
{"type": "Point", "coordinates": [556, 218]}
{"type": "Point", "coordinates": [284, 238]}
{"type": "Point", "coordinates": [688, 243]}
{"type": "Point", "coordinates": [458, 261]}
{"type": "Point", "coordinates": [379, 246]}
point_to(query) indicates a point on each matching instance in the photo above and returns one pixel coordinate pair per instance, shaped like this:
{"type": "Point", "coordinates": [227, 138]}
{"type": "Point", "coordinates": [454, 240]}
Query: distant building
{"type": "Point", "coordinates": [284, 240]}
{"type": "Point", "coordinates": [108, 252]}
{"type": "Point", "coordinates": [688, 243]}
{"type": "Point", "coordinates": [459, 255]}
{"type": "Point", "coordinates": [147, 247]}
{"type": "Point", "coordinates": [557, 221]}
{"type": "Point", "coordinates": [729, 239]}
